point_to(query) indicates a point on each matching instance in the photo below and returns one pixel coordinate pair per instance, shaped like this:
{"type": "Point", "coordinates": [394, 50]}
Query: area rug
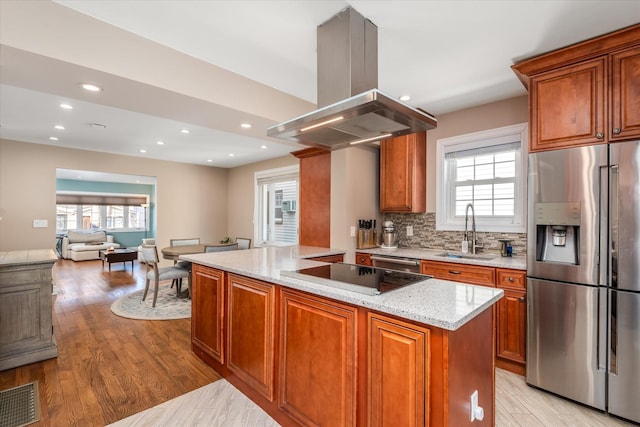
{"type": "Point", "coordinates": [167, 307]}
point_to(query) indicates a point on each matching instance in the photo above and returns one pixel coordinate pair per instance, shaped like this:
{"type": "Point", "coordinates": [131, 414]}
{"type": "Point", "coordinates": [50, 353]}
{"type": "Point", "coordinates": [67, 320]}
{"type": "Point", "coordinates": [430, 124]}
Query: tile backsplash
{"type": "Point", "coordinates": [425, 235]}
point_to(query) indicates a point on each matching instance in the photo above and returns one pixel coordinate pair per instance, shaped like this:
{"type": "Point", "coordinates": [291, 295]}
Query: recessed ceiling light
{"type": "Point", "coordinates": [405, 98]}
{"type": "Point", "coordinates": [66, 106]}
{"type": "Point", "coordinates": [231, 155]}
{"type": "Point", "coordinates": [142, 150]}
{"type": "Point", "coordinates": [264, 147]}
{"type": "Point", "coordinates": [160, 142]}
{"type": "Point", "coordinates": [185, 131]}
{"type": "Point", "coordinates": [59, 127]}
{"type": "Point", "coordinates": [209, 160]}
{"type": "Point", "coordinates": [53, 138]}
{"type": "Point", "coordinates": [91, 87]}
{"type": "Point", "coordinates": [245, 125]}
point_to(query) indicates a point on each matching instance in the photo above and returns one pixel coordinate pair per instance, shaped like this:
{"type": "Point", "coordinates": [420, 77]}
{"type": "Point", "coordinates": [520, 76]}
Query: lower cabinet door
{"type": "Point", "coordinates": [317, 360]}
{"type": "Point", "coordinates": [511, 328]}
{"type": "Point", "coordinates": [251, 332]}
{"type": "Point", "coordinates": [398, 360]}
{"type": "Point", "coordinates": [207, 317]}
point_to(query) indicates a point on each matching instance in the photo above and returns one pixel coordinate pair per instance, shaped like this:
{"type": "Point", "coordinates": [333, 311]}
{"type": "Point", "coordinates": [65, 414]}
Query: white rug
{"type": "Point", "coordinates": [167, 307]}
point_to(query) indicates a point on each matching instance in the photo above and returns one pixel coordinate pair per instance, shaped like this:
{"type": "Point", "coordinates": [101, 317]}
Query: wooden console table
{"type": "Point", "coordinates": [26, 329]}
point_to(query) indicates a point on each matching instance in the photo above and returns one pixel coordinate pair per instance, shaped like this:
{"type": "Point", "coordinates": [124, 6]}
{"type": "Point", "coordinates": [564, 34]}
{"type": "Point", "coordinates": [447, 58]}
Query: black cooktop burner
{"type": "Point", "coordinates": [357, 278]}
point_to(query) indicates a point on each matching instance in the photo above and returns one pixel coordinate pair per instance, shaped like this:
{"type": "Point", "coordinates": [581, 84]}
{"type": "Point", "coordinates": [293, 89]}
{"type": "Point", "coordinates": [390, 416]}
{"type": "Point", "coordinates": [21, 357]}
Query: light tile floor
{"type": "Point", "coordinates": [221, 404]}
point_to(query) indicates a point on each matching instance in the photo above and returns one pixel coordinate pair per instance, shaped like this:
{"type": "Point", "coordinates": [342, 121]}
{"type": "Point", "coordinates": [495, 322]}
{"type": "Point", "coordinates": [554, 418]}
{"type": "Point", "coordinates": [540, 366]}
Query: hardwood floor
{"type": "Point", "coordinates": [108, 367]}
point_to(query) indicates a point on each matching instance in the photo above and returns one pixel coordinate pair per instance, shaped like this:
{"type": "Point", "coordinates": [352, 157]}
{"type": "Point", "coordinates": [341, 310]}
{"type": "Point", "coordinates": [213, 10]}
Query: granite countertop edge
{"type": "Point", "coordinates": [514, 262]}
{"type": "Point", "coordinates": [434, 302]}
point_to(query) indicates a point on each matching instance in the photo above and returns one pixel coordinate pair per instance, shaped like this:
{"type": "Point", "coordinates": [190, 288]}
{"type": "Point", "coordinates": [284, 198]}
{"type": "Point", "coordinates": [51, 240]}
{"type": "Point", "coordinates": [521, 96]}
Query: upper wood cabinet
{"type": "Point", "coordinates": [625, 94]}
{"type": "Point", "coordinates": [207, 319]}
{"type": "Point", "coordinates": [403, 173]}
{"type": "Point", "coordinates": [314, 211]}
{"type": "Point", "coordinates": [568, 106]}
{"type": "Point", "coordinates": [588, 93]}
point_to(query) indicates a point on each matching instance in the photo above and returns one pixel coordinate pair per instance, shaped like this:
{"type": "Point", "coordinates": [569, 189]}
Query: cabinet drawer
{"type": "Point", "coordinates": [363, 259]}
{"type": "Point", "coordinates": [511, 278]}
{"type": "Point", "coordinates": [463, 273]}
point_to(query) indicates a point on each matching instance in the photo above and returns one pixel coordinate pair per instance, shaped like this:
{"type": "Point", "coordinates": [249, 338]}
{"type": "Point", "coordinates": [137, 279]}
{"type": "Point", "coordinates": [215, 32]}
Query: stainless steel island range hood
{"type": "Point", "coordinates": [352, 110]}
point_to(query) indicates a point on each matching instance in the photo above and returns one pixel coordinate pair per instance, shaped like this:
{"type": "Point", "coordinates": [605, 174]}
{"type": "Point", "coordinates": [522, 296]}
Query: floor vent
{"type": "Point", "coordinates": [19, 406]}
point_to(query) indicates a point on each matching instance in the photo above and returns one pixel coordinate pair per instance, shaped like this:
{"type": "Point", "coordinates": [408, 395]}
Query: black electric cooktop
{"type": "Point", "coordinates": [357, 278]}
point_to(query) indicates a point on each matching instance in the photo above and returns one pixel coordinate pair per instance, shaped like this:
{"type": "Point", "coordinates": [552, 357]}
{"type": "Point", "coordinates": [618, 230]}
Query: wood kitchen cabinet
{"type": "Point", "coordinates": [363, 259]}
{"type": "Point", "coordinates": [207, 317]}
{"type": "Point", "coordinates": [568, 106]}
{"type": "Point", "coordinates": [398, 379]}
{"type": "Point", "coordinates": [511, 316]}
{"type": "Point", "coordinates": [584, 94]}
{"type": "Point", "coordinates": [510, 311]}
{"type": "Point", "coordinates": [625, 94]}
{"type": "Point", "coordinates": [314, 209]}
{"type": "Point", "coordinates": [463, 273]}
{"type": "Point", "coordinates": [403, 173]}
{"type": "Point", "coordinates": [251, 332]}
{"type": "Point", "coordinates": [317, 360]}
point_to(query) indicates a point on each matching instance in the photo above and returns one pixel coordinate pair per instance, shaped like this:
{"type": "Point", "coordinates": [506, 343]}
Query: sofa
{"type": "Point", "coordinates": [83, 245]}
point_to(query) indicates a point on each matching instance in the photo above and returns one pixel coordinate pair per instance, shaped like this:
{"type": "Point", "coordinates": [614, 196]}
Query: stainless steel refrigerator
{"type": "Point", "coordinates": [583, 268]}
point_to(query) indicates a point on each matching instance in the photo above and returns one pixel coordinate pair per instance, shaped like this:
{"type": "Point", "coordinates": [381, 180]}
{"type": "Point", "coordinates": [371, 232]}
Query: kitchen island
{"type": "Point", "coordinates": [312, 354]}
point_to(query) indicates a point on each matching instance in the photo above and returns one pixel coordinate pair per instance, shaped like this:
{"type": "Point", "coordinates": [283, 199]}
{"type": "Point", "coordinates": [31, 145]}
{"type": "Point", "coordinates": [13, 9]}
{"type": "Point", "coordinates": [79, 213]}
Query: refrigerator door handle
{"type": "Point", "coordinates": [613, 332]}
{"type": "Point", "coordinates": [603, 343]}
{"type": "Point", "coordinates": [603, 257]}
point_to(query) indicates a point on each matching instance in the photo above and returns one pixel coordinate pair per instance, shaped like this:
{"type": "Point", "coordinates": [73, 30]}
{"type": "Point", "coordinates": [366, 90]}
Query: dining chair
{"type": "Point", "coordinates": [184, 242]}
{"type": "Point", "coordinates": [160, 274]}
{"type": "Point", "coordinates": [222, 248]}
{"type": "Point", "coordinates": [243, 242]}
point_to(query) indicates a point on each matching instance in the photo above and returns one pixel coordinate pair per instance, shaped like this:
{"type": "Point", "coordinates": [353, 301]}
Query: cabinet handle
{"type": "Point", "coordinates": [511, 279]}
{"type": "Point", "coordinates": [616, 131]}
{"type": "Point", "coordinates": [599, 135]}
{"type": "Point", "coordinates": [521, 299]}
{"type": "Point", "coordinates": [454, 272]}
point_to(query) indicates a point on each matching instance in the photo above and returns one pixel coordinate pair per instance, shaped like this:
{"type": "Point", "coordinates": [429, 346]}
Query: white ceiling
{"type": "Point", "coordinates": [447, 55]}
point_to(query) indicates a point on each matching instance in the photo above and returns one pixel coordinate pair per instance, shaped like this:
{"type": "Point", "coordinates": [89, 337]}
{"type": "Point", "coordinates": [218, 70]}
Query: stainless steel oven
{"type": "Point", "coordinates": [410, 265]}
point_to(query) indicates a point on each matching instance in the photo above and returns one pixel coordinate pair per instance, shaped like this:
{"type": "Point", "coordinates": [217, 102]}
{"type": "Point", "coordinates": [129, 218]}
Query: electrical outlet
{"type": "Point", "coordinates": [353, 231]}
{"type": "Point", "coordinates": [409, 230]}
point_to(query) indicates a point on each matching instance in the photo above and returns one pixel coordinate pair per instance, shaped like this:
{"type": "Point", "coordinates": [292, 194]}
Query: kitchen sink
{"type": "Point", "coordinates": [465, 256]}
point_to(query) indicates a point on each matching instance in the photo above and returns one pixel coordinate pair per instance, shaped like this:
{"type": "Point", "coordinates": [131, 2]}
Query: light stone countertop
{"type": "Point", "coordinates": [516, 262]}
{"type": "Point", "coordinates": [434, 302]}
{"type": "Point", "coordinates": [29, 256]}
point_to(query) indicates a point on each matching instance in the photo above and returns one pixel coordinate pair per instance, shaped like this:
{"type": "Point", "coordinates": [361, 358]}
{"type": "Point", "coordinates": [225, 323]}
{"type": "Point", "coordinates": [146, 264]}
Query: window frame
{"type": "Point", "coordinates": [103, 212]}
{"type": "Point", "coordinates": [445, 218]}
{"type": "Point", "coordinates": [259, 209]}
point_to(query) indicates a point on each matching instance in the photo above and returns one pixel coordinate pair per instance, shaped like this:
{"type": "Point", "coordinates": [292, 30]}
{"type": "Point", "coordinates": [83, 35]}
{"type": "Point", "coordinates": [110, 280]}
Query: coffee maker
{"type": "Point", "coordinates": [389, 236]}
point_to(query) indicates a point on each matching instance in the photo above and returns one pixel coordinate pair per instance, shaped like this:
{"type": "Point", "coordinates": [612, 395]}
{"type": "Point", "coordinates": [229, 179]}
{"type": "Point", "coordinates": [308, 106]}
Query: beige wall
{"type": "Point", "coordinates": [483, 117]}
{"type": "Point", "coordinates": [191, 199]}
{"type": "Point", "coordinates": [242, 195]}
{"type": "Point", "coordinates": [354, 194]}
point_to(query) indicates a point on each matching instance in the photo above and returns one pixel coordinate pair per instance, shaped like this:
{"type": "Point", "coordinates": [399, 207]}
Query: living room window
{"type": "Point", "coordinates": [101, 212]}
{"type": "Point", "coordinates": [488, 170]}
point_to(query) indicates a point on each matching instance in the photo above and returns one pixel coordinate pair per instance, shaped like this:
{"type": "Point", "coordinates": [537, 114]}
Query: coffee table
{"type": "Point", "coordinates": [118, 255]}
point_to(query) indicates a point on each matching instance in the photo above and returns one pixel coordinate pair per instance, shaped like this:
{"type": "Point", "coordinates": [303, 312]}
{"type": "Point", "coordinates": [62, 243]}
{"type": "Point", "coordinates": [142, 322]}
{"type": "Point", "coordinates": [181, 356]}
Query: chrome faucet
{"type": "Point", "coordinates": [474, 240]}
